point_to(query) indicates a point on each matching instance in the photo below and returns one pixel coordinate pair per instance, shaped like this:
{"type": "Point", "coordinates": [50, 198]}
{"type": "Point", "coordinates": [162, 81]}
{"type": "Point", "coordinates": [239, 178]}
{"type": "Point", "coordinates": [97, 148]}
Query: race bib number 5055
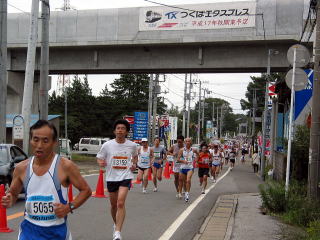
{"type": "Point", "coordinates": [40, 208]}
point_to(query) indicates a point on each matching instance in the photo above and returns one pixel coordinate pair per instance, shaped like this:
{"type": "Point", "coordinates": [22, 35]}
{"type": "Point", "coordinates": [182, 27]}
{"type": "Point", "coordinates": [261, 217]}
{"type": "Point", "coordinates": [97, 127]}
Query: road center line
{"type": "Point", "coordinates": [176, 224]}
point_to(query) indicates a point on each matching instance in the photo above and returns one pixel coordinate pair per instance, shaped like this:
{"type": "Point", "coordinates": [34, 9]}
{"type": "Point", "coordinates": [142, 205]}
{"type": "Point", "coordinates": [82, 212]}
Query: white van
{"type": "Point", "coordinates": [92, 145]}
{"type": "Point", "coordinates": [65, 148]}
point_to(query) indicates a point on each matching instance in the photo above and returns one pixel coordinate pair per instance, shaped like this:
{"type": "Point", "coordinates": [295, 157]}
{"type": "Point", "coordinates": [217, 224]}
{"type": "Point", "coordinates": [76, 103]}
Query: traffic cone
{"type": "Point", "coordinates": [137, 181]}
{"type": "Point", "coordinates": [100, 187]}
{"type": "Point", "coordinates": [70, 193]}
{"type": "Point", "coordinates": [166, 172]}
{"type": "Point", "coordinates": [3, 214]}
{"type": "Point", "coordinates": [150, 174]}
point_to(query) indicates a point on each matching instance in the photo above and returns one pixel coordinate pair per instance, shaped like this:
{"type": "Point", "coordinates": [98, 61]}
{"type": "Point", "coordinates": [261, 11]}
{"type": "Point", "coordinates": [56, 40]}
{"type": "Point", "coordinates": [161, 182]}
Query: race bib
{"type": "Point", "coordinates": [145, 159]}
{"type": "Point", "coordinates": [120, 162]}
{"type": "Point", "coordinates": [205, 160]}
{"type": "Point", "coordinates": [170, 158]}
{"type": "Point", "coordinates": [157, 154]}
{"type": "Point", "coordinates": [189, 159]}
{"type": "Point", "coordinates": [40, 208]}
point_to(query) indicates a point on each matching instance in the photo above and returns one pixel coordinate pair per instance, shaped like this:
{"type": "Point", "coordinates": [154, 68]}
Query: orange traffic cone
{"type": "Point", "coordinates": [100, 187]}
{"type": "Point", "coordinates": [3, 214]}
{"type": "Point", "coordinates": [137, 181]}
{"type": "Point", "coordinates": [150, 174]}
{"type": "Point", "coordinates": [70, 193]}
{"type": "Point", "coordinates": [166, 172]}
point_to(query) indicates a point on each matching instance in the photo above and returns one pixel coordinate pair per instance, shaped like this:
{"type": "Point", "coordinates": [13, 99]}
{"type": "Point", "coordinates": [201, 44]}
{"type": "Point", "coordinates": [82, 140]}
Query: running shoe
{"type": "Point", "coordinates": [211, 178]}
{"type": "Point", "coordinates": [114, 228]}
{"type": "Point", "coordinates": [117, 235]}
{"type": "Point", "coordinates": [155, 189]}
{"type": "Point", "coordinates": [203, 191]}
{"type": "Point", "coordinates": [186, 197]}
{"type": "Point", "coordinates": [144, 190]}
{"type": "Point", "coordinates": [179, 195]}
{"type": "Point", "coordinates": [214, 181]}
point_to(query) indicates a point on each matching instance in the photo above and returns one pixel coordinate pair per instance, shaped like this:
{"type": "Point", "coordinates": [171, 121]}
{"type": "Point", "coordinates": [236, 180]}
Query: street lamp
{"type": "Point", "coordinates": [264, 139]}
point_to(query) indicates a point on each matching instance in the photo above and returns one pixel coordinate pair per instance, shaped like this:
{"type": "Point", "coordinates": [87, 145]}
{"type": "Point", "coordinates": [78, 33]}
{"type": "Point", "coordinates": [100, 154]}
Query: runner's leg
{"type": "Point", "coordinates": [188, 180]}
{"type": "Point", "coordinates": [113, 196]}
{"type": "Point", "coordinates": [159, 174]}
{"type": "Point", "coordinates": [145, 178]}
{"type": "Point", "coordinates": [154, 176]}
{"type": "Point", "coordinates": [121, 210]}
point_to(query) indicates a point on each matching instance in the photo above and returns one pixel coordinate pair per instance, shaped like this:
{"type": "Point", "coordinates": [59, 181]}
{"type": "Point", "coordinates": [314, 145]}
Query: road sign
{"type": "Point", "coordinates": [302, 55]}
{"type": "Point", "coordinates": [301, 79]}
{"type": "Point", "coordinates": [17, 128]}
{"type": "Point", "coordinates": [140, 127]}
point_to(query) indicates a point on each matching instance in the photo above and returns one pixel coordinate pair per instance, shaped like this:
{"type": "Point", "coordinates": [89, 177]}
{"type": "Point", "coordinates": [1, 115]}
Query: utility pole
{"type": "Point", "coordinates": [3, 69]}
{"type": "Point", "coordinates": [199, 110]}
{"type": "Point", "coordinates": [150, 108]}
{"type": "Point", "coordinates": [213, 116]}
{"type": "Point", "coordinates": [221, 120]}
{"type": "Point", "coordinates": [218, 123]}
{"type": "Point", "coordinates": [65, 110]}
{"type": "Point", "coordinates": [155, 101]}
{"type": "Point", "coordinates": [29, 75]}
{"type": "Point", "coordinates": [189, 98]}
{"type": "Point", "coordinates": [254, 113]}
{"type": "Point", "coordinates": [44, 61]}
{"type": "Point", "coordinates": [314, 149]}
{"type": "Point", "coordinates": [184, 106]}
{"type": "Point", "coordinates": [204, 102]}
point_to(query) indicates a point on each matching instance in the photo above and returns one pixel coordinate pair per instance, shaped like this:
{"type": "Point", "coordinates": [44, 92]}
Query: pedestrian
{"type": "Point", "coordinates": [173, 151]}
{"type": "Point", "coordinates": [203, 163]}
{"type": "Point", "coordinates": [160, 156]}
{"type": "Point", "coordinates": [45, 178]}
{"type": "Point", "coordinates": [255, 162]}
{"type": "Point", "coordinates": [119, 157]}
{"type": "Point", "coordinates": [145, 154]}
{"type": "Point", "coordinates": [186, 157]}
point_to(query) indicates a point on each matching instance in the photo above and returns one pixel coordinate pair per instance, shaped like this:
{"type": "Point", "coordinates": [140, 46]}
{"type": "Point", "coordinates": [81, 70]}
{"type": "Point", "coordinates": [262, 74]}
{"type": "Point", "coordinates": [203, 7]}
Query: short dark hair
{"type": "Point", "coordinates": [121, 121]}
{"type": "Point", "coordinates": [203, 144]}
{"type": "Point", "coordinates": [180, 137]}
{"type": "Point", "coordinates": [42, 123]}
{"type": "Point", "coordinates": [157, 138]}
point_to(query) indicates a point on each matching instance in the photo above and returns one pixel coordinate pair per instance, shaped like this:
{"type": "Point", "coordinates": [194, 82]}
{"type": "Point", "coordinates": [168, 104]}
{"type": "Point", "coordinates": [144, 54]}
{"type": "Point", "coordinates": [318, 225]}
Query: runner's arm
{"type": "Point", "coordinates": [179, 157]}
{"type": "Point", "coordinates": [151, 156]}
{"type": "Point", "coordinates": [75, 178]}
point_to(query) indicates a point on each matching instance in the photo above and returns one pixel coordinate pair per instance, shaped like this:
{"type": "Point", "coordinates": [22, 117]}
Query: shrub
{"type": "Point", "coordinates": [273, 196]}
{"type": "Point", "coordinates": [313, 230]}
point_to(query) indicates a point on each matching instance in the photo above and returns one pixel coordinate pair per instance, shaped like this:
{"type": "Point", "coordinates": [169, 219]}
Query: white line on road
{"type": "Point", "coordinates": [176, 224]}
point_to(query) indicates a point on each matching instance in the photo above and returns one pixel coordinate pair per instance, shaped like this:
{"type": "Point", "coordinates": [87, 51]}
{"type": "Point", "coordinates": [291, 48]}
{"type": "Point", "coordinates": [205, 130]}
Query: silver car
{"type": "Point", "coordinates": [10, 155]}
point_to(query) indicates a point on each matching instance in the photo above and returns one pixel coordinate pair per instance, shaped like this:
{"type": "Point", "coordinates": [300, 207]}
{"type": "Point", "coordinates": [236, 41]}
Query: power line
{"type": "Point", "coordinates": [18, 9]}
{"type": "Point", "coordinates": [178, 77]}
{"type": "Point", "coordinates": [172, 91]}
{"type": "Point", "coordinates": [226, 96]}
{"type": "Point", "coordinates": [171, 6]}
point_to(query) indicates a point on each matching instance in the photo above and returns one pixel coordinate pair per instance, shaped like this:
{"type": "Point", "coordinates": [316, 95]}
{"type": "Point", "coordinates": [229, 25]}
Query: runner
{"type": "Point", "coordinates": [232, 157]}
{"type": "Point", "coordinates": [145, 154]}
{"type": "Point", "coordinates": [222, 158]}
{"type": "Point", "coordinates": [203, 163]}
{"type": "Point", "coordinates": [186, 157]}
{"type": "Point", "coordinates": [173, 151]}
{"type": "Point", "coordinates": [216, 160]}
{"type": "Point", "coordinates": [158, 159]}
{"type": "Point", "coordinates": [119, 156]}
{"type": "Point", "coordinates": [45, 178]}
{"type": "Point", "coordinates": [226, 157]}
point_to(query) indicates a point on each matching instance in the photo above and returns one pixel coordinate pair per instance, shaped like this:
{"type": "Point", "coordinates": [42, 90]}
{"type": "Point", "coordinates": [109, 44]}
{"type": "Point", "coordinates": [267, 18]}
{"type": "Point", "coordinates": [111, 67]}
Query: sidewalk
{"type": "Point", "coordinates": [238, 217]}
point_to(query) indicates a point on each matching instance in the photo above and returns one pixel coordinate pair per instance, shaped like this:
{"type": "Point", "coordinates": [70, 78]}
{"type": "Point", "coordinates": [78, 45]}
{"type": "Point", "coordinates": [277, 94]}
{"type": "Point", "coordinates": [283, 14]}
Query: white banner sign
{"type": "Point", "coordinates": [173, 122]}
{"type": "Point", "coordinates": [201, 16]}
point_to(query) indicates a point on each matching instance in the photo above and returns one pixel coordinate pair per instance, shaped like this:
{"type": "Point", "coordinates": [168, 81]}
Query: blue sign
{"type": "Point", "coordinates": [140, 126]}
{"type": "Point", "coordinates": [303, 97]}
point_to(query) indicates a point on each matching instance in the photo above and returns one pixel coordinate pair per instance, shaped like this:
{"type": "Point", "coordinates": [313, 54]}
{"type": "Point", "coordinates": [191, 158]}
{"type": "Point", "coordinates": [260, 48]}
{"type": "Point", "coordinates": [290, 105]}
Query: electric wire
{"type": "Point", "coordinates": [9, 4]}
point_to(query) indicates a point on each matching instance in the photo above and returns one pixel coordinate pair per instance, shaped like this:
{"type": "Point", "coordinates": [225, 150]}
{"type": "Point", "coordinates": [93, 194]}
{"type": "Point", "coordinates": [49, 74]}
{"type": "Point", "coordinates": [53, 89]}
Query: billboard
{"type": "Point", "coordinates": [201, 16]}
{"type": "Point", "coordinates": [140, 126]}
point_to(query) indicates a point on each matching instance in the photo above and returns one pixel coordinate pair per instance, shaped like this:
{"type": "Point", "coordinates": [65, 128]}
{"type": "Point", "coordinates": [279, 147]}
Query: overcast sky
{"type": "Point", "coordinates": [231, 87]}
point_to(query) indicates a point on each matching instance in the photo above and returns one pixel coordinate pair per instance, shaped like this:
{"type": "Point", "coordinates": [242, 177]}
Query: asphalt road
{"type": "Point", "coordinates": [148, 215]}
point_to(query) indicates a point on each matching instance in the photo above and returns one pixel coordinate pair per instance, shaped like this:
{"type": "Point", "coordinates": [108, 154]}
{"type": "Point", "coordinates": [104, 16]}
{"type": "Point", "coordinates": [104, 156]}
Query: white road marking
{"type": "Point", "coordinates": [88, 175]}
{"type": "Point", "coordinates": [176, 224]}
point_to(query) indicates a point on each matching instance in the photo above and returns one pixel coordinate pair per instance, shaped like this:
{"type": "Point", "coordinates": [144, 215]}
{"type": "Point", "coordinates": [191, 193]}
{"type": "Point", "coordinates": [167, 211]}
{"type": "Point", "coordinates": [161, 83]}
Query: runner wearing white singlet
{"type": "Point", "coordinates": [145, 154]}
{"type": "Point", "coordinates": [45, 178]}
{"type": "Point", "coordinates": [119, 156]}
{"type": "Point", "coordinates": [216, 160]}
{"type": "Point", "coordinates": [173, 151]}
{"type": "Point", "coordinates": [187, 156]}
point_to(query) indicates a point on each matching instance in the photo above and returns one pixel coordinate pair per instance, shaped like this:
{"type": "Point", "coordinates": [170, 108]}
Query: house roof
{"type": "Point", "coordinates": [34, 118]}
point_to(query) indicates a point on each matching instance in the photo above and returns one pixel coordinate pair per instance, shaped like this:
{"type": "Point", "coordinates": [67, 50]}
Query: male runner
{"type": "Point", "coordinates": [119, 156]}
{"type": "Point", "coordinates": [216, 161]}
{"type": "Point", "coordinates": [203, 163]}
{"type": "Point", "coordinates": [159, 156]}
{"type": "Point", "coordinates": [232, 157]}
{"type": "Point", "coordinates": [145, 154]}
{"type": "Point", "coordinates": [45, 178]}
{"type": "Point", "coordinates": [173, 151]}
{"type": "Point", "coordinates": [186, 157]}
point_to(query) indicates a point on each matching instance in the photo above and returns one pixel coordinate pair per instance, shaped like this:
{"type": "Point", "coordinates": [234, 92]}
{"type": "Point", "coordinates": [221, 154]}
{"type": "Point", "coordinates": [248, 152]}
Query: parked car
{"type": "Point", "coordinates": [10, 155]}
{"type": "Point", "coordinates": [92, 145]}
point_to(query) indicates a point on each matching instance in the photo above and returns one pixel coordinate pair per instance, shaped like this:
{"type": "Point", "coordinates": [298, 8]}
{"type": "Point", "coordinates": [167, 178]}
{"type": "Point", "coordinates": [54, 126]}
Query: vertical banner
{"type": "Point", "coordinates": [173, 123]}
{"type": "Point", "coordinates": [130, 120]}
{"type": "Point", "coordinates": [140, 127]}
{"type": "Point", "coordinates": [209, 129]}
